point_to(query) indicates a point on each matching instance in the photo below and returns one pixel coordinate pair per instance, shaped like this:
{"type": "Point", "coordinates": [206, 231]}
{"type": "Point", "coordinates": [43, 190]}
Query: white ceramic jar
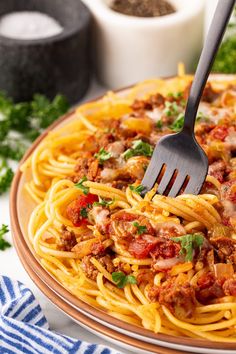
{"type": "Point", "coordinates": [128, 49]}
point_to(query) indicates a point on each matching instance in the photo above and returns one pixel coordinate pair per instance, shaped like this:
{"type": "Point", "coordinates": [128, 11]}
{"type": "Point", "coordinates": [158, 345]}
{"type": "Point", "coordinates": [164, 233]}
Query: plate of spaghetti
{"type": "Point", "coordinates": [157, 268]}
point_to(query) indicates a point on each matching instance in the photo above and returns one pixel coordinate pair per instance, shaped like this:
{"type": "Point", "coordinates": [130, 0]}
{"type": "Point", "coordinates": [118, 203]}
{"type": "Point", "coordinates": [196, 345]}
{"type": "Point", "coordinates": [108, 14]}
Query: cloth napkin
{"type": "Point", "coordinates": [24, 328]}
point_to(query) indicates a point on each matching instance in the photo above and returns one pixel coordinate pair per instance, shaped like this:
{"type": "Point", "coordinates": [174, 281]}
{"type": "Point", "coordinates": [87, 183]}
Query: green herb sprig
{"type": "Point", "coordinates": [188, 243]}
{"type": "Point", "coordinates": [102, 155]}
{"type": "Point", "coordinates": [121, 279]}
{"type": "Point", "coordinates": [140, 228]}
{"type": "Point", "coordinates": [104, 203]}
{"type": "Point", "coordinates": [137, 189]}
{"type": "Point", "coordinates": [6, 176]}
{"type": "Point", "coordinates": [3, 243]}
{"type": "Point", "coordinates": [20, 124]}
{"type": "Point", "coordinates": [139, 148]}
{"type": "Point", "coordinates": [178, 124]}
{"type": "Point", "coordinates": [80, 185]}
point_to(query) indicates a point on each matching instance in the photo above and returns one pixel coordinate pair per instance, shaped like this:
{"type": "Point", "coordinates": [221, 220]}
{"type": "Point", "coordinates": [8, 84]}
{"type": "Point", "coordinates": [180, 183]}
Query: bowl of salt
{"type": "Point", "coordinates": [44, 48]}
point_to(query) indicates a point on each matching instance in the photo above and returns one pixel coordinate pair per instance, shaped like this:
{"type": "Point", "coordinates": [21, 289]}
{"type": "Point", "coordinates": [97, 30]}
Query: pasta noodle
{"type": "Point", "coordinates": [163, 263]}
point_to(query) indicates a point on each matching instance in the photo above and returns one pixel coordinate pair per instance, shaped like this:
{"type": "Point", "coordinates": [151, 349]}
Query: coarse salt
{"type": "Point", "coordinates": [29, 25]}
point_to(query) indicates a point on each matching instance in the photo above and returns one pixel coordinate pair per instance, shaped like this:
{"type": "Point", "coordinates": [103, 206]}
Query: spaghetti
{"type": "Point", "coordinates": [167, 264]}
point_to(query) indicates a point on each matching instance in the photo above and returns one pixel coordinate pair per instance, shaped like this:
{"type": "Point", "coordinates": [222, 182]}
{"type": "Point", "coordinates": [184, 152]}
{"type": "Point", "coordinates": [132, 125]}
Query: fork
{"type": "Point", "coordinates": [178, 160]}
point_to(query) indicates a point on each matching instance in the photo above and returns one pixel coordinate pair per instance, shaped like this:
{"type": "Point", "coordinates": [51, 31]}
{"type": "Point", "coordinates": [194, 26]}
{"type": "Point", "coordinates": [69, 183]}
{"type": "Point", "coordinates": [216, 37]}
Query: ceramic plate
{"type": "Point", "coordinates": [21, 206]}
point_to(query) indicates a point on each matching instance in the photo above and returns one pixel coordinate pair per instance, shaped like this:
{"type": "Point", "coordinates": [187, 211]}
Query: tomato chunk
{"type": "Point", "coordinates": [141, 247]}
{"type": "Point", "coordinates": [220, 132]}
{"type": "Point", "coordinates": [77, 210]}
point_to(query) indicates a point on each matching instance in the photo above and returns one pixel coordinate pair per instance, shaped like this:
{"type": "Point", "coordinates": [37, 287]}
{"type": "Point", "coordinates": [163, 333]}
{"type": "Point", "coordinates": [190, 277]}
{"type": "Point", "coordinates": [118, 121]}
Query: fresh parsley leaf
{"type": "Point", "coordinates": [26, 120]}
{"type": "Point", "coordinates": [4, 128]}
{"type": "Point", "coordinates": [140, 228]}
{"type": "Point", "coordinates": [188, 243]}
{"type": "Point", "coordinates": [139, 148]}
{"type": "Point", "coordinates": [47, 112]}
{"type": "Point", "coordinates": [80, 185]}
{"type": "Point", "coordinates": [3, 243]}
{"type": "Point", "coordinates": [84, 213]}
{"type": "Point", "coordinates": [178, 124]}
{"type": "Point", "coordinates": [201, 117]}
{"type": "Point", "coordinates": [121, 279]}
{"type": "Point", "coordinates": [175, 95]}
{"type": "Point", "coordinates": [225, 59]}
{"type": "Point", "coordinates": [13, 148]}
{"type": "Point", "coordinates": [20, 116]}
{"type": "Point", "coordinates": [5, 105]}
{"type": "Point", "coordinates": [103, 155]}
{"type": "Point", "coordinates": [159, 124]}
{"type": "Point", "coordinates": [6, 176]}
{"type": "Point", "coordinates": [103, 202]}
{"type": "Point", "coordinates": [137, 189]}
{"type": "Point", "coordinates": [171, 109]}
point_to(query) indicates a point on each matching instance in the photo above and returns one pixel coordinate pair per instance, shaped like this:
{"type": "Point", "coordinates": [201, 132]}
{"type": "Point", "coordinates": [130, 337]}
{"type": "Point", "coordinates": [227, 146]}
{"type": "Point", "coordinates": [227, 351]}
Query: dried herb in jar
{"type": "Point", "coordinates": [143, 8]}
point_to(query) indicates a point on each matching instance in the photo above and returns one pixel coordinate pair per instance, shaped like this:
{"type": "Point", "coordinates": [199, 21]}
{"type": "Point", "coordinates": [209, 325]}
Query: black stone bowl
{"type": "Point", "coordinates": [58, 64]}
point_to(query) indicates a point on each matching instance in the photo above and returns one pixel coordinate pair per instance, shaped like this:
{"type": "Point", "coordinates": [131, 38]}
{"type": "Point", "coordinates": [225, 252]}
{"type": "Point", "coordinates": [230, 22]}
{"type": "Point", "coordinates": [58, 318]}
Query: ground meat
{"type": "Point", "coordinates": [146, 276]}
{"type": "Point", "coordinates": [209, 94]}
{"type": "Point", "coordinates": [122, 185]}
{"type": "Point", "coordinates": [67, 239]}
{"type": "Point", "coordinates": [88, 167]}
{"type": "Point", "coordinates": [225, 249]}
{"type": "Point", "coordinates": [219, 170]}
{"type": "Point", "coordinates": [89, 269]}
{"type": "Point", "coordinates": [228, 191]}
{"type": "Point", "coordinates": [179, 298]}
{"type": "Point", "coordinates": [106, 139]}
{"type": "Point", "coordinates": [229, 287]}
{"type": "Point", "coordinates": [154, 293]}
{"type": "Point", "coordinates": [97, 248]}
{"type": "Point", "coordinates": [107, 263]}
{"type": "Point", "coordinates": [166, 249]}
{"type": "Point", "coordinates": [208, 288]}
{"type": "Point", "coordinates": [153, 101]}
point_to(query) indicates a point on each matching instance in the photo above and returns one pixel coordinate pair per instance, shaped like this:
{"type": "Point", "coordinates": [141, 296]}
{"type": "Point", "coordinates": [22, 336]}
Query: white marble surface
{"type": "Point", "coordinates": [11, 266]}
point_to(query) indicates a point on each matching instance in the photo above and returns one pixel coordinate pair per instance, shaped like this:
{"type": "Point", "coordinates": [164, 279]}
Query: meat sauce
{"type": "Point", "coordinates": [136, 234]}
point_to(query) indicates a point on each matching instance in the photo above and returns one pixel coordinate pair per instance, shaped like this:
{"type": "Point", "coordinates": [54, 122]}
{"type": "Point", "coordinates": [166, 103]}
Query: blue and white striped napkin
{"type": "Point", "coordinates": [24, 328]}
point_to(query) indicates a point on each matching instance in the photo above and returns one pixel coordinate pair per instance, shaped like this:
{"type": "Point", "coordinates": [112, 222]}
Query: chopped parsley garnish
{"type": "Point", "coordinates": [171, 109]}
{"type": "Point", "coordinates": [175, 95]}
{"type": "Point", "coordinates": [84, 213]}
{"type": "Point", "coordinates": [139, 148]}
{"type": "Point", "coordinates": [80, 185]}
{"type": "Point", "coordinates": [137, 189]}
{"type": "Point", "coordinates": [178, 124]}
{"type": "Point", "coordinates": [6, 176]}
{"type": "Point", "coordinates": [201, 117]}
{"type": "Point", "coordinates": [121, 279]}
{"type": "Point", "coordinates": [140, 228]}
{"type": "Point", "coordinates": [188, 243]}
{"type": "Point", "coordinates": [102, 155]}
{"type": "Point", "coordinates": [3, 243]}
{"type": "Point", "coordinates": [103, 202]}
{"type": "Point", "coordinates": [159, 124]}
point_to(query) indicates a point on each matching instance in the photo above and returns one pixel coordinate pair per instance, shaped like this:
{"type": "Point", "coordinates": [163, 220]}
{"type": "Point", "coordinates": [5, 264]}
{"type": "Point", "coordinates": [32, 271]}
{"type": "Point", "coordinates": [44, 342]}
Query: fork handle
{"type": "Point", "coordinates": [210, 48]}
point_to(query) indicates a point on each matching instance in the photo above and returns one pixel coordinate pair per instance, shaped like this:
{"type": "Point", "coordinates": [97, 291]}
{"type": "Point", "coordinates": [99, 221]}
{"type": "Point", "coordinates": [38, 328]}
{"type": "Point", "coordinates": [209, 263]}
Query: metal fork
{"type": "Point", "coordinates": [178, 158]}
